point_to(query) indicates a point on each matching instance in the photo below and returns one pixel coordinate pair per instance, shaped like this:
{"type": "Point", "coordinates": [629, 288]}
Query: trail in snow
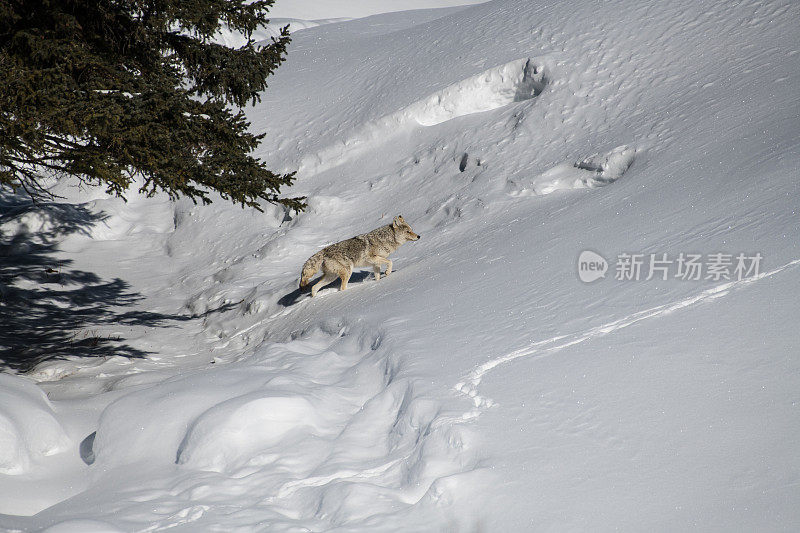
{"type": "Point", "coordinates": [469, 386]}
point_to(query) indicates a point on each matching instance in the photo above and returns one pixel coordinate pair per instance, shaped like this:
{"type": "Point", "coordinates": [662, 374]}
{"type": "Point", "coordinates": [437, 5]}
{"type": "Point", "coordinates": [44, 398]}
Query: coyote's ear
{"type": "Point", "coordinates": [397, 221]}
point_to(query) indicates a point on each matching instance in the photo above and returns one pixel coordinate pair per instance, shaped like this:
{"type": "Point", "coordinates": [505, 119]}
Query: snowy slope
{"type": "Point", "coordinates": [311, 10]}
{"type": "Point", "coordinates": [482, 386]}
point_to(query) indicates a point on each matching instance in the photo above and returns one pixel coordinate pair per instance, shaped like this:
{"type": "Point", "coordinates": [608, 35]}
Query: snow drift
{"type": "Point", "coordinates": [29, 428]}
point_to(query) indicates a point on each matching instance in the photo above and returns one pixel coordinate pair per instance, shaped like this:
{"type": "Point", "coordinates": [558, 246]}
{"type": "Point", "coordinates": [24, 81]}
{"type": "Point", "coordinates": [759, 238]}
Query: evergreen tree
{"type": "Point", "coordinates": [108, 90]}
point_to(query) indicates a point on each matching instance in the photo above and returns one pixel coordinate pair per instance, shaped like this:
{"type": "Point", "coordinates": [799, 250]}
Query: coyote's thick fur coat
{"type": "Point", "coordinates": [368, 249]}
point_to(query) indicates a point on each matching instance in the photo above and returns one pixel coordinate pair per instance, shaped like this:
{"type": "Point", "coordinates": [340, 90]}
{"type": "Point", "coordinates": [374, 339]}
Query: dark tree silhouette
{"type": "Point", "coordinates": [108, 90]}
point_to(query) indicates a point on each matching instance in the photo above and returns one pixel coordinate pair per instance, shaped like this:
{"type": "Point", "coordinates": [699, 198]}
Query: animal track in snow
{"type": "Point", "coordinates": [543, 348]}
{"type": "Point", "coordinates": [515, 81]}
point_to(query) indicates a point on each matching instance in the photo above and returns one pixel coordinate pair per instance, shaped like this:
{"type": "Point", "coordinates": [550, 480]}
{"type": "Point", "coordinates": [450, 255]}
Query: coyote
{"type": "Point", "coordinates": [368, 249]}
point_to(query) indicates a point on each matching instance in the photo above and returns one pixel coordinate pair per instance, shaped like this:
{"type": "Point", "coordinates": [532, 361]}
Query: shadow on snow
{"type": "Point", "coordinates": [295, 296]}
{"type": "Point", "coordinates": [47, 309]}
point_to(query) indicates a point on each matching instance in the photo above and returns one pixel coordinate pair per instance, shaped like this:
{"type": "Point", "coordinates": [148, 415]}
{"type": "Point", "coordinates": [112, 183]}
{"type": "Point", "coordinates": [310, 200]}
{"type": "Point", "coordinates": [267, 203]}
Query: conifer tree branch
{"type": "Point", "coordinates": [109, 89]}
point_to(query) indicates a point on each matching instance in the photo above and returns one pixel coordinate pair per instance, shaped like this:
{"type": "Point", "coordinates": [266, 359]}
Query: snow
{"type": "Point", "coordinates": [29, 429]}
{"type": "Point", "coordinates": [306, 9]}
{"type": "Point", "coordinates": [482, 386]}
{"type": "Point", "coordinates": [81, 526]}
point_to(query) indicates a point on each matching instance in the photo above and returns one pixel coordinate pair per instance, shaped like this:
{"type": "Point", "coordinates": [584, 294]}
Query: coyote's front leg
{"type": "Point", "coordinates": [326, 278]}
{"type": "Point", "coordinates": [376, 262]}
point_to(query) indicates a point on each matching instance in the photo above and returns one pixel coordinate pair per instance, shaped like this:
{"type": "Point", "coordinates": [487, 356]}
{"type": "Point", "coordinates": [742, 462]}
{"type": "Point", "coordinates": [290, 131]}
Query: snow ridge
{"type": "Point", "coordinates": [515, 81]}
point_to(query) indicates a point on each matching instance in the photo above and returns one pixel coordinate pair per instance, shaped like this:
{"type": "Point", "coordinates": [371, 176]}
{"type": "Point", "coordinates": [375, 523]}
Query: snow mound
{"type": "Point", "coordinates": [608, 167]}
{"type": "Point", "coordinates": [230, 433]}
{"type": "Point", "coordinates": [597, 170]}
{"type": "Point", "coordinates": [128, 434]}
{"type": "Point", "coordinates": [515, 81]}
{"type": "Point", "coordinates": [28, 426]}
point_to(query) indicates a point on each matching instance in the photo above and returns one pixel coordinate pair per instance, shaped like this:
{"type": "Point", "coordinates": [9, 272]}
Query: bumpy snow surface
{"type": "Point", "coordinates": [482, 386]}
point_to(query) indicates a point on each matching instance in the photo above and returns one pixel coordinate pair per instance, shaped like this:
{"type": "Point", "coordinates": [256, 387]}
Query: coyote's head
{"type": "Point", "coordinates": [402, 230]}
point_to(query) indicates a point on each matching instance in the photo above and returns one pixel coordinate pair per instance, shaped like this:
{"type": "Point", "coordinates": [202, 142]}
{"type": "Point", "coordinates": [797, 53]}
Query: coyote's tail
{"type": "Point", "coordinates": [310, 268]}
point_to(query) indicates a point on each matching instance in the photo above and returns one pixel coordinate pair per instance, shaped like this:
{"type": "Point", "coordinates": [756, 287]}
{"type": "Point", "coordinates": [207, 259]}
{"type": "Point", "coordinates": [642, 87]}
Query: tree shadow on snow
{"type": "Point", "coordinates": [294, 296]}
{"type": "Point", "coordinates": [49, 310]}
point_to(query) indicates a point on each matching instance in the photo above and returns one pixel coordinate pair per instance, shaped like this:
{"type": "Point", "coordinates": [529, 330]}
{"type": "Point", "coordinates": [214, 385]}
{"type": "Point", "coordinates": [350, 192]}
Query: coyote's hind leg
{"type": "Point", "coordinates": [344, 275]}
